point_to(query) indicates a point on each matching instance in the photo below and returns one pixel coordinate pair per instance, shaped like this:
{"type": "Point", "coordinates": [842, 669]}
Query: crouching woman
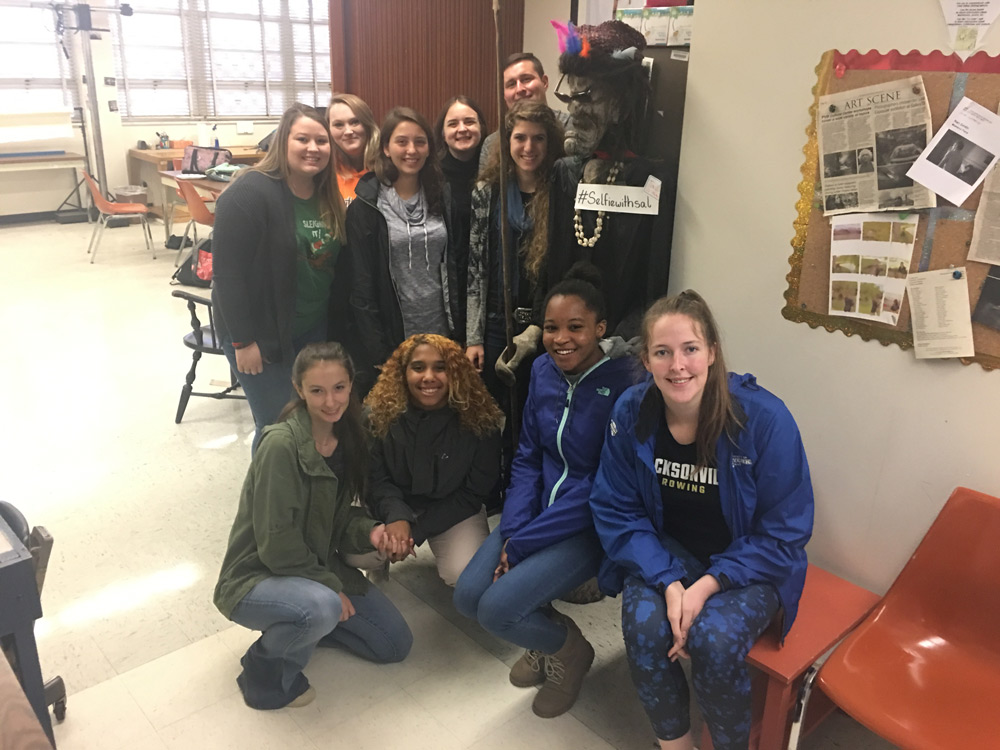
{"type": "Point", "coordinates": [284, 572]}
{"type": "Point", "coordinates": [436, 454]}
{"type": "Point", "coordinates": [703, 504]}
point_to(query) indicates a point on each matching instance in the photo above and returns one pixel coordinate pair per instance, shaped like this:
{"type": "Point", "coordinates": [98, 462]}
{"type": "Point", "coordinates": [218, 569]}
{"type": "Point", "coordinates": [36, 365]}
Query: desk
{"type": "Point", "coordinates": [67, 160]}
{"type": "Point", "coordinates": [145, 164]}
{"type": "Point", "coordinates": [20, 606]}
{"type": "Point", "coordinates": [208, 189]}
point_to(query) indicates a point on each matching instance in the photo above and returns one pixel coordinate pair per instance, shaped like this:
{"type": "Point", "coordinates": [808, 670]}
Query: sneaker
{"type": "Point", "coordinates": [304, 699]}
{"type": "Point", "coordinates": [529, 670]}
{"type": "Point", "coordinates": [564, 673]}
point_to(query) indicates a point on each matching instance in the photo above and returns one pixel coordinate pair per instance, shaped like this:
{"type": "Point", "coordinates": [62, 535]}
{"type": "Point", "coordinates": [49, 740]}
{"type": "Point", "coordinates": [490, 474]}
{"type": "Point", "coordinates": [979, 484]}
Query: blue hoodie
{"type": "Point", "coordinates": [764, 487]}
{"type": "Point", "coordinates": [562, 433]}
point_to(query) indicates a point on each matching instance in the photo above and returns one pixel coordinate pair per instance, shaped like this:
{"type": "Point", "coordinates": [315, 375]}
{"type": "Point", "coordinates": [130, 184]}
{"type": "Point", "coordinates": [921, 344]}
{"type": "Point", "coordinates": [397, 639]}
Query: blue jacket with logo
{"type": "Point", "coordinates": [562, 432]}
{"type": "Point", "coordinates": [764, 487]}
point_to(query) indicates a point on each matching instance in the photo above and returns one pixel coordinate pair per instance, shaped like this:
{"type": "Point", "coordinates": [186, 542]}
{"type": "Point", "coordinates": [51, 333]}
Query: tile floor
{"type": "Point", "coordinates": [140, 510]}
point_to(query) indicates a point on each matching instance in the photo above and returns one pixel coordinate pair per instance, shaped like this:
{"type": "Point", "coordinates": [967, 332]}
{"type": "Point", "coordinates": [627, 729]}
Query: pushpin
{"type": "Point", "coordinates": [833, 108]}
{"type": "Point", "coordinates": [956, 274]}
{"type": "Point", "coordinates": [916, 89]}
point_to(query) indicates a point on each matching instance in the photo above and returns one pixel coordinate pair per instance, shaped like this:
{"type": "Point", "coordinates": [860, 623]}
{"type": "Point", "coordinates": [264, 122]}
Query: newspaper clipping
{"type": "Point", "coordinates": [868, 139]}
{"type": "Point", "coordinates": [869, 262]}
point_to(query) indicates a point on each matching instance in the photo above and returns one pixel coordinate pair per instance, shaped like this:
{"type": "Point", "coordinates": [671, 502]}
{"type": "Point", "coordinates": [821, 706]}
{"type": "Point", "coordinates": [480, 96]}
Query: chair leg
{"type": "Point", "coordinates": [147, 235]}
{"type": "Point", "coordinates": [180, 251]}
{"type": "Point", "coordinates": [799, 711]}
{"type": "Point", "coordinates": [97, 225]}
{"type": "Point", "coordinates": [182, 404]}
{"type": "Point", "coordinates": [188, 387]}
{"type": "Point", "coordinates": [102, 223]}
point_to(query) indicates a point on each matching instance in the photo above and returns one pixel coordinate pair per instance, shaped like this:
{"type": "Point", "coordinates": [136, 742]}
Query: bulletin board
{"type": "Point", "coordinates": [943, 234]}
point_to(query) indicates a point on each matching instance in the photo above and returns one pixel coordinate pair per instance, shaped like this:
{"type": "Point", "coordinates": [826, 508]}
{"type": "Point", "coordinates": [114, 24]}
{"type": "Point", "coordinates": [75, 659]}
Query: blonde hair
{"type": "Point", "coordinates": [364, 114]}
{"type": "Point", "coordinates": [467, 395]}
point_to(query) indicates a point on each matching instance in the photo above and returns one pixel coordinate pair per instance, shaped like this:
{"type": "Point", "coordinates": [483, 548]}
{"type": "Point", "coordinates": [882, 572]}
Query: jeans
{"type": "Point", "coordinates": [297, 614]}
{"type": "Point", "coordinates": [270, 390]}
{"type": "Point", "coordinates": [513, 608]}
{"type": "Point", "coordinates": [718, 641]}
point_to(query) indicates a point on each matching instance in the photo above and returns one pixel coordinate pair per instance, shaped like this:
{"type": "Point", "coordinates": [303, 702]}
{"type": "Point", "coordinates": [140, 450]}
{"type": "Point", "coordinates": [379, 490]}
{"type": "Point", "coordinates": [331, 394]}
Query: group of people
{"type": "Point", "coordinates": [359, 263]}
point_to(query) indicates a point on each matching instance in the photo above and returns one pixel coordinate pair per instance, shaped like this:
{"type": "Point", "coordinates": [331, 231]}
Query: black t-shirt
{"type": "Point", "coordinates": [336, 461]}
{"type": "Point", "coordinates": [692, 510]}
{"type": "Point", "coordinates": [523, 289]}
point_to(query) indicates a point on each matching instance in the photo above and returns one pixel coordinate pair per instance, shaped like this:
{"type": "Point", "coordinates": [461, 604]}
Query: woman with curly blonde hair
{"type": "Point", "coordinates": [436, 452]}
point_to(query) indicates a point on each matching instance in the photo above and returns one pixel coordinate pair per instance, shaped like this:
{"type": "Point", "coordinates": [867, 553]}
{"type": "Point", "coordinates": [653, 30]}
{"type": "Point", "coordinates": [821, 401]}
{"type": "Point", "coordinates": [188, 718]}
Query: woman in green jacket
{"type": "Point", "coordinates": [285, 571]}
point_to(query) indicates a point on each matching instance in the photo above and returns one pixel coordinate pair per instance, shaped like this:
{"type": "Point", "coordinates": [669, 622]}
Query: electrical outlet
{"type": "Point", "coordinates": [244, 127]}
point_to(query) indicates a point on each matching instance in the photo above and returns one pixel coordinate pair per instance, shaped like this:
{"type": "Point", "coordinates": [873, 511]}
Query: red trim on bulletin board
{"type": "Point", "coordinates": [913, 61]}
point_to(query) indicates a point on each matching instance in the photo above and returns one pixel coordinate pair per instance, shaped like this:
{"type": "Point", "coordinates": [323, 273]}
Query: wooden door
{"type": "Point", "coordinates": [420, 53]}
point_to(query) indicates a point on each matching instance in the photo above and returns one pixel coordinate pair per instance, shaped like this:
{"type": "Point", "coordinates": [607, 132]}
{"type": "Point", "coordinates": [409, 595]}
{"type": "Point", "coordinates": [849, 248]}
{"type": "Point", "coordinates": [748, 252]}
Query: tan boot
{"type": "Point", "coordinates": [529, 670]}
{"type": "Point", "coordinates": [564, 673]}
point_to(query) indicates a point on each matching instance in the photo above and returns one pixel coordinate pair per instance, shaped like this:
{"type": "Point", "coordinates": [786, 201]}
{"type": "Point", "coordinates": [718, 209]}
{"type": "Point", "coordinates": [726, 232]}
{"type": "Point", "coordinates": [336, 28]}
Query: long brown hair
{"type": "Point", "coordinates": [275, 165]}
{"type": "Point", "coordinates": [431, 177]}
{"type": "Point", "coordinates": [349, 429]}
{"type": "Point", "coordinates": [467, 394]}
{"type": "Point", "coordinates": [718, 412]}
{"type": "Point", "coordinates": [534, 247]}
{"type": "Point", "coordinates": [363, 112]}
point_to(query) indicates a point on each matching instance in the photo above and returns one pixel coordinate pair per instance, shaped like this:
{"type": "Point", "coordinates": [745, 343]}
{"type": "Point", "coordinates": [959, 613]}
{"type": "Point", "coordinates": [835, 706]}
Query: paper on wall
{"type": "Point", "coordinates": [987, 310]}
{"type": "Point", "coordinates": [961, 154]}
{"type": "Point", "coordinates": [939, 311]}
{"type": "Point", "coordinates": [968, 21]}
{"type": "Point", "coordinates": [869, 262]}
{"type": "Point", "coordinates": [985, 246]}
{"type": "Point", "coordinates": [868, 139]}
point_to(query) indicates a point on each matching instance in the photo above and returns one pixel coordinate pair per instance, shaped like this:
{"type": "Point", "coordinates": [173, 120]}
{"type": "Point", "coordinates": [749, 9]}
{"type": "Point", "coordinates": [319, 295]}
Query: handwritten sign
{"type": "Point", "coordinates": [615, 199]}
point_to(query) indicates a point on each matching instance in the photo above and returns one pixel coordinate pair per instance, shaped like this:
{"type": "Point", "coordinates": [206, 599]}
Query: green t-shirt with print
{"type": "Point", "coordinates": [316, 256]}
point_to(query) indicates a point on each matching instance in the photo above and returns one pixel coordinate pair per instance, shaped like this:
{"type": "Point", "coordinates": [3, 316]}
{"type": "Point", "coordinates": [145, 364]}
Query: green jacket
{"type": "Point", "coordinates": [294, 519]}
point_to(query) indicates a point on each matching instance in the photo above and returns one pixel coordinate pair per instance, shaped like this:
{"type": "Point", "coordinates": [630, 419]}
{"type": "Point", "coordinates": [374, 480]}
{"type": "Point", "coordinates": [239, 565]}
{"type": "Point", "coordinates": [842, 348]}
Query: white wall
{"type": "Point", "coordinates": [888, 437]}
{"type": "Point", "coordinates": [540, 37]}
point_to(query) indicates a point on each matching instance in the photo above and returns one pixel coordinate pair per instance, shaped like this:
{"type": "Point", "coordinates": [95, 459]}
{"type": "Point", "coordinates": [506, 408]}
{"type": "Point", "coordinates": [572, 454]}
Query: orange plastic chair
{"type": "Point", "coordinates": [923, 670]}
{"type": "Point", "coordinates": [107, 209]}
{"type": "Point", "coordinates": [199, 215]}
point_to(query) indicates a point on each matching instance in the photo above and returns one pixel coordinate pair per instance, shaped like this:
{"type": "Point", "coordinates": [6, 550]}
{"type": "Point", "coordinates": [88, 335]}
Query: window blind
{"type": "Point", "coordinates": [221, 58]}
{"type": "Point", "coordinates": [36, 75]}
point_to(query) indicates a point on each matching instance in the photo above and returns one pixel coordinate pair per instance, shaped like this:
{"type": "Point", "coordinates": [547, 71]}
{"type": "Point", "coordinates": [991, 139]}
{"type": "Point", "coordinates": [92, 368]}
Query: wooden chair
{"type": "Point", "coordinates": [199, 215]}
{"type": "Point", "coordinates": [830, 608]}
{"type": "Point", "coordinates": [107, 210]}
{"type": "Point", "coordinates": [923, 669]}
{"type": "Point", "coordinates": [38, 542]}
{"type": "Point", "coordinates": [202, 339]}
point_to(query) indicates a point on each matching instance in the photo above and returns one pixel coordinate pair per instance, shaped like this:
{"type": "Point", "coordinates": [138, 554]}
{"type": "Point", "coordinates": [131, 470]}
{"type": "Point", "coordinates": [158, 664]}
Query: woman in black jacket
{"type": "Point", "coordinates": [279, 229]}
{"type": "Point", "coordinates": [436, 453]}
{"type": "Point", "coordinates": [403, 277]}
{"type": "Point", "coordinates": [459, 130]}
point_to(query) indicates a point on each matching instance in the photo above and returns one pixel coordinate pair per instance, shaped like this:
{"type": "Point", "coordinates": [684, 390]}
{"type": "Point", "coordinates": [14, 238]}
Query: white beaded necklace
{"type": "Point", "coordinates": [581, 237]}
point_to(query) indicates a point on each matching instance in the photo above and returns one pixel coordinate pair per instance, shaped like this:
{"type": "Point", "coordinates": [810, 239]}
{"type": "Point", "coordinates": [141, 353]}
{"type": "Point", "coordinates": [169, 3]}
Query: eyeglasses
{"type": "Point", "coordinates": [584, 97]}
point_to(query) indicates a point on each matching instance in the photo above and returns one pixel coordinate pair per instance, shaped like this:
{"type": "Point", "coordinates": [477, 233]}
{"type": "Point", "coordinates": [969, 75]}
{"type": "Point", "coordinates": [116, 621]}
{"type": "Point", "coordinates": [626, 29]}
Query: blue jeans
{"type": "Point", "coordinates": [513, 608]}
{"type": "Point", "coordinates": [718, 641]}
{"type": "Point", "coordinates": [297, 614]}
{"type": "Point", "coordinates": [270, 390]}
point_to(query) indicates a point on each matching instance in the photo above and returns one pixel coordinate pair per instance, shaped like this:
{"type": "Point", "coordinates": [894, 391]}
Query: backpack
{"type": "Point", "coordinates": [196, 268]}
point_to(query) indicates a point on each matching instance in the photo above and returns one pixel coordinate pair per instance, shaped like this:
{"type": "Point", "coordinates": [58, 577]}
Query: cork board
{"type": "Point", "coordinates": [943, 233]}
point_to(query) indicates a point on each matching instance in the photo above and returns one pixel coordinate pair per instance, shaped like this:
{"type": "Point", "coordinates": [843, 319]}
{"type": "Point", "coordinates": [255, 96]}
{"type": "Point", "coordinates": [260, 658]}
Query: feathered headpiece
{"type": "Point", "coordinates": [606, 49]}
